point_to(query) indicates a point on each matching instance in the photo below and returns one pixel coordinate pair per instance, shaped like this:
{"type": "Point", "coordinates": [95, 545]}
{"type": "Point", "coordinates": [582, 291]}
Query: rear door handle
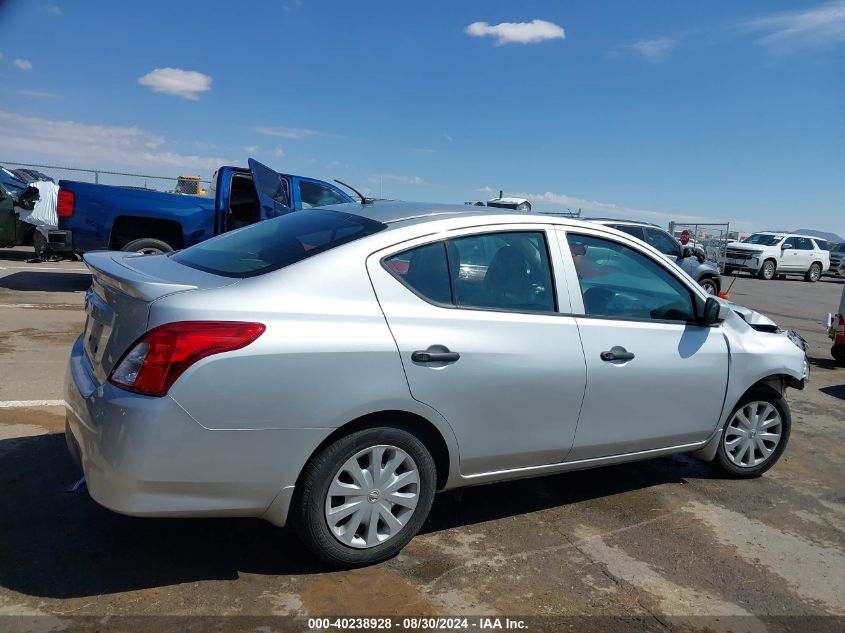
{"type": "Point", "coordinates": [617, 353]}
{"type": "Point", "coordinates": [435, 354]}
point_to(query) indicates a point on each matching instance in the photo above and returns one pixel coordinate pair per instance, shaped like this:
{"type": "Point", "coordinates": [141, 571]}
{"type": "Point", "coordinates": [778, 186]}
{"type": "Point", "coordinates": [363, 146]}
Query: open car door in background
{"type": "Point", "coordinates": [273, 190]}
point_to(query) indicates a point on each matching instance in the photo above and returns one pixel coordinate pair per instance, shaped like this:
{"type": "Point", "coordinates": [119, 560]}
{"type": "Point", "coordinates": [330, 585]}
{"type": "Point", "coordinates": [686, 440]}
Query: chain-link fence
{"type": "Point", "coordinates": [710, 239]}
{"type": "Point", "coordinates": [183, 183]}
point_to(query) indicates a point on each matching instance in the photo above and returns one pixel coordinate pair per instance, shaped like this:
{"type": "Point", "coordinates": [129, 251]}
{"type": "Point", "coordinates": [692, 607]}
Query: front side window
{"type": "Point", "coordinates": [272, 184]}
{"type": "Point", "coordinates": [312, 194]}
{"type": "Point", "coordinates": [620, 283]}
{"type": "Point", "coordinates": [662, 242]}
{"type": "Point", "coordinates": [803, 244]}
{"type": "Point", "coordinates": [493, 271]}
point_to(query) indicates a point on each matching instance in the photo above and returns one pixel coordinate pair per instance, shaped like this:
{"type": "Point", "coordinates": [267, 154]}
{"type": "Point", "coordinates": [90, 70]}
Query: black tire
{"type": "Point", "coordinates": [710, 285]}
{"type": "Point", "coordinates": [838, 353]}
{"type": "Point", "coordinates": [148, 245]}
{"type": "Point", "coordinates": [723, 463]}
{"type": "Point", "coordinates": [768, 270]}
{"type": "Point", "coordinates": [309, 511]}
{"type": "Point", "coordinates": [814, 273]}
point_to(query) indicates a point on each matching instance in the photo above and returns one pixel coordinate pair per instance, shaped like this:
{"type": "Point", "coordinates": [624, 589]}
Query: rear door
{"type": "Point", "coordinates": [655, 379]}
{"type": "Point", "coordinates": [486, 340]}
{"type": "Point", "coordinates": [273, 190]}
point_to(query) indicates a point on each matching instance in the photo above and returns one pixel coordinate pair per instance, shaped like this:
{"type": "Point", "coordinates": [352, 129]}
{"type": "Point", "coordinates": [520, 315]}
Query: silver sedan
{"type": "Point", "coordinates": [334, 368]}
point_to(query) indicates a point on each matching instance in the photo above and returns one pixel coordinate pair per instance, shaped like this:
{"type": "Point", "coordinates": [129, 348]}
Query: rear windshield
{"type": "Point", "coordinates": [273, 244]}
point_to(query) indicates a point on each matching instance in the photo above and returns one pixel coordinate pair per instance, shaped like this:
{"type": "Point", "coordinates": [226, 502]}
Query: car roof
{"type": "Point", "coordinates": [626, 222]}
{"type": "Point", "coordinates": [397, 214]}
{"type": "Point", "coordinates": [788, 234]}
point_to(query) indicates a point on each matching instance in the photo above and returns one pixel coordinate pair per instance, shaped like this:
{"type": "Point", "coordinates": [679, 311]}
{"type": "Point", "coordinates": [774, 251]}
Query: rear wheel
{"type": "Point", "coordinates": [148, 246]}
{"type": "Point", "coordinates": [755, 435]}
{"type": "Point", "coordinates": [767, 270]}
{"type": "Point", "coordinates": [814, 274]}
{"type": "Point", "coordinates": [365, 496]}
{"type": "Point", "coordinates": [838, 353]}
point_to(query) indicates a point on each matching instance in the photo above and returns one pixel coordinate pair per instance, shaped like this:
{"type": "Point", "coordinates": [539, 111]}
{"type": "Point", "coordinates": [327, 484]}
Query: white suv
{"type": "Point", "coordinates": [770, 254]}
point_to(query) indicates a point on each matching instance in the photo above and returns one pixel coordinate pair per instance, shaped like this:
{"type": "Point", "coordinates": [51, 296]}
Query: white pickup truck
{"type": "Point", "coordinates": [770, 254]}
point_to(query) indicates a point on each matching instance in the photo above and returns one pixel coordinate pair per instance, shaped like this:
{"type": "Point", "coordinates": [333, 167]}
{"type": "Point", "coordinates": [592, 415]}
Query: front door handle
{"type": "Point", "coordinates": [617, 353]}
{"type": "Point", "coordinates": [435, 354]}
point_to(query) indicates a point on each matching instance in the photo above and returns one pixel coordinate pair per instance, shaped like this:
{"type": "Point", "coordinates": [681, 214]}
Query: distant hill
{"type": "Point", "coordinates": [830, 237]}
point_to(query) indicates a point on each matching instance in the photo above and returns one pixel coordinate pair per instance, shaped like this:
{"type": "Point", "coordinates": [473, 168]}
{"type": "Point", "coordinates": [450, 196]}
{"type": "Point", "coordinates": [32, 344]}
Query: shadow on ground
{"type": "Point", "coordinates": [46, 281]}
{"type": "Point", "coordinates": [837, 391]}
{"type": "Point", "coordinates": [58, 543]}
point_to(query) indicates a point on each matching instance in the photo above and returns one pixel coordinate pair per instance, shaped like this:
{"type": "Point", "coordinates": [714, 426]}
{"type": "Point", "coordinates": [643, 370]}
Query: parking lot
{"type": "Point", "coordinates": [660, 543]}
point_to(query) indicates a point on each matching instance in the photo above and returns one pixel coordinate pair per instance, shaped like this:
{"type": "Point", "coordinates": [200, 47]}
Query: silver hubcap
{"type": "Point", "coordinates": [769, 269]}
{"type": "Point", "coordinates": [150, 251]}
{"type": "Point", "coordinates": [753, 434]}
{"type": "Point", "coordinates": [814, 273]}
{"type": "Point", "coordinates": [709, 287]}
{"type": "Point", "coordinates": [372, 496]}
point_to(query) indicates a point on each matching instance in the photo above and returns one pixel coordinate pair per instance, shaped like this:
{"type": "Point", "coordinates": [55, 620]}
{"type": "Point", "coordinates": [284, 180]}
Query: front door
{"type": "Point", "coordinates": [483, 341]}
{"type": "Point", "coordinates": [273, 190]}
{"type": "Point", "coordinates": [8, 218]}
{"type": "Point", "coordinates": [655, 378]}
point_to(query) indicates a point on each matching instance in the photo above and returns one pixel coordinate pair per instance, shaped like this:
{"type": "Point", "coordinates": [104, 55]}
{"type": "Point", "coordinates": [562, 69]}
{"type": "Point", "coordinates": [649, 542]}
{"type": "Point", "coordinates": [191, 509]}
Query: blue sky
{"type": "Point", "coordinates": [719, 111]}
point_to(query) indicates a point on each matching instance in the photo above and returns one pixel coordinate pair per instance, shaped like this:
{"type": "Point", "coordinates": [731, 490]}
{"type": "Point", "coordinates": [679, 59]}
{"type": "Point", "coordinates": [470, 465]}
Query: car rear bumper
{"type": "Point", "coordinates": [146, 456]}
{"type": "Point", "coordinates": [60, 241]}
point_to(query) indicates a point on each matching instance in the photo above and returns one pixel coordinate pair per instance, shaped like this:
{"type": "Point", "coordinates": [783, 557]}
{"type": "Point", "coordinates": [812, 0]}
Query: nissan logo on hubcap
{"type": "Point", "coordinates": [374, 495]}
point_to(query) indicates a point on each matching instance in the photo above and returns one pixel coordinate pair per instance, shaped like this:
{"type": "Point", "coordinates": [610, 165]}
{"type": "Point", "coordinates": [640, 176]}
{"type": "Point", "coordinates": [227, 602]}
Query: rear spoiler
{"type": "Point", "coordinates": [114, 268]}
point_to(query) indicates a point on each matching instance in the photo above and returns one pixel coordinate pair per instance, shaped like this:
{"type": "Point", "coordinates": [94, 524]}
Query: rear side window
{"type": "Point", "coordinates": [822, 244]}
{"type": "Point", "coordinates": [493, 271]}
{"type": "Point", "coordinates": [312, 195]}
{"type": "Point", "coordinates": [635, 231]}
{"type": "Point", "coordinates": [274, 244]}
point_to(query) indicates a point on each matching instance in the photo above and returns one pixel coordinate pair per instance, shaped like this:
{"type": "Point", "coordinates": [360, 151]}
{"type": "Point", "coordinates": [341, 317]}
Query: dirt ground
{"type": "Point", "coordinates": [656, 545]}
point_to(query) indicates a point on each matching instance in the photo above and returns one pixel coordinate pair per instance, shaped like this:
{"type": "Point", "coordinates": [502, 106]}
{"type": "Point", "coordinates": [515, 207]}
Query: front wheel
{"type": "Point", "coordinates": [755, 435]}
{"type": "Point", "coordinates": [709, 285]}
{"type": "Point", "coordinates": [814, 274]}
{"type": "Point", "coordinates": [365, 496]}
{"type": "Point", "coordinates": [767, 270]}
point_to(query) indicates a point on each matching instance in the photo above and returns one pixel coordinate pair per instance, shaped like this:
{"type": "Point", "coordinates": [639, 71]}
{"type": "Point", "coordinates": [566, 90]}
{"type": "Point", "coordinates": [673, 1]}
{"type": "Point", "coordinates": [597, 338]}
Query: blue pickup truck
{"type": "Point", "coordinates": [93, 217]}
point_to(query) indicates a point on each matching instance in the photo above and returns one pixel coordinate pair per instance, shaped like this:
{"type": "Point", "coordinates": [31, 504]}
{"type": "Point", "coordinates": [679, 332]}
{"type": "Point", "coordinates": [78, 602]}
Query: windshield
{"type": "Point", "coordinates": [762, 239]}
{"type": "Point", "coordinates": [273, 244]}
{"type": "Point", "coordinates": [11, 184]}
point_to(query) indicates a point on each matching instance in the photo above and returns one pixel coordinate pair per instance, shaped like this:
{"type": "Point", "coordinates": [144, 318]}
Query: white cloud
{"type": "Point", "coordinates": [38, 94]}
{"type": "Point", "coordinates": [278, 152]}
{"type": "Point", "coordinates": [86, 145]}
{"type": "Point", "coordinates": [448, 138]}
{"type": "Point", "coordinates": [187, 84]}
{"type": "Point", "coordinates": [53, 8]}
{"type": "Point", "coordinates": [821, 25]}
{"type": "Point", "coordinates": [250, 149]}
{"type": "Point", "coordinates": [287, 132]}
{"type": "Point", "coordinates": [517, 32]}
{"type": "Point", "coordinates": [405, 180]}
{"type": "Point", "coordinates": [593, 207]}
{"type": "Point", "coordinates": [23, 64]}
{"type": "Point", "coordinates": [423, 150]}
{"type": "Point", "coordinates": [654, 50]}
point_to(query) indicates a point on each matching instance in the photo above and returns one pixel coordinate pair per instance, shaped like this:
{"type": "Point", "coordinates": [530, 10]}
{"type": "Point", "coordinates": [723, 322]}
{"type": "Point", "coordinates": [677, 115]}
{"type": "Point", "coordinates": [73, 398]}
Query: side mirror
{"type": "Point", "coordinates": [710, 315]}
{"type": "Point", "coordinates": [785, 247]}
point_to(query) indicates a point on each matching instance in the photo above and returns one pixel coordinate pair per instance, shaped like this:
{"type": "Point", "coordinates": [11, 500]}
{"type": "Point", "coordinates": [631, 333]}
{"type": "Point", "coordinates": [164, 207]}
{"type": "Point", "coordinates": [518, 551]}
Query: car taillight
{"type": "Point", "coordinates": [153, 363]}
{"type": "Point", "coordinates": [64, 204]}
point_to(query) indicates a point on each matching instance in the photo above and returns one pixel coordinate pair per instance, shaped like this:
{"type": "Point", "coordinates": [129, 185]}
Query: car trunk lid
{"type": "Point", "coordinates": [117, 305]}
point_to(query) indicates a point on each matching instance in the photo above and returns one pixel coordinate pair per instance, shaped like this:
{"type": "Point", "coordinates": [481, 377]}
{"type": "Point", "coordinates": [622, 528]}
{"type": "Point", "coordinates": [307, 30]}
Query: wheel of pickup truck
{"type": "Point", "coordinates": [148, 246]}
{"type": "Point", "coordinates": [767, 270]}
{"type": "Point", "coordinates": [838, 353]}
{"type": "Point", "coordinates": [814, 274]}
